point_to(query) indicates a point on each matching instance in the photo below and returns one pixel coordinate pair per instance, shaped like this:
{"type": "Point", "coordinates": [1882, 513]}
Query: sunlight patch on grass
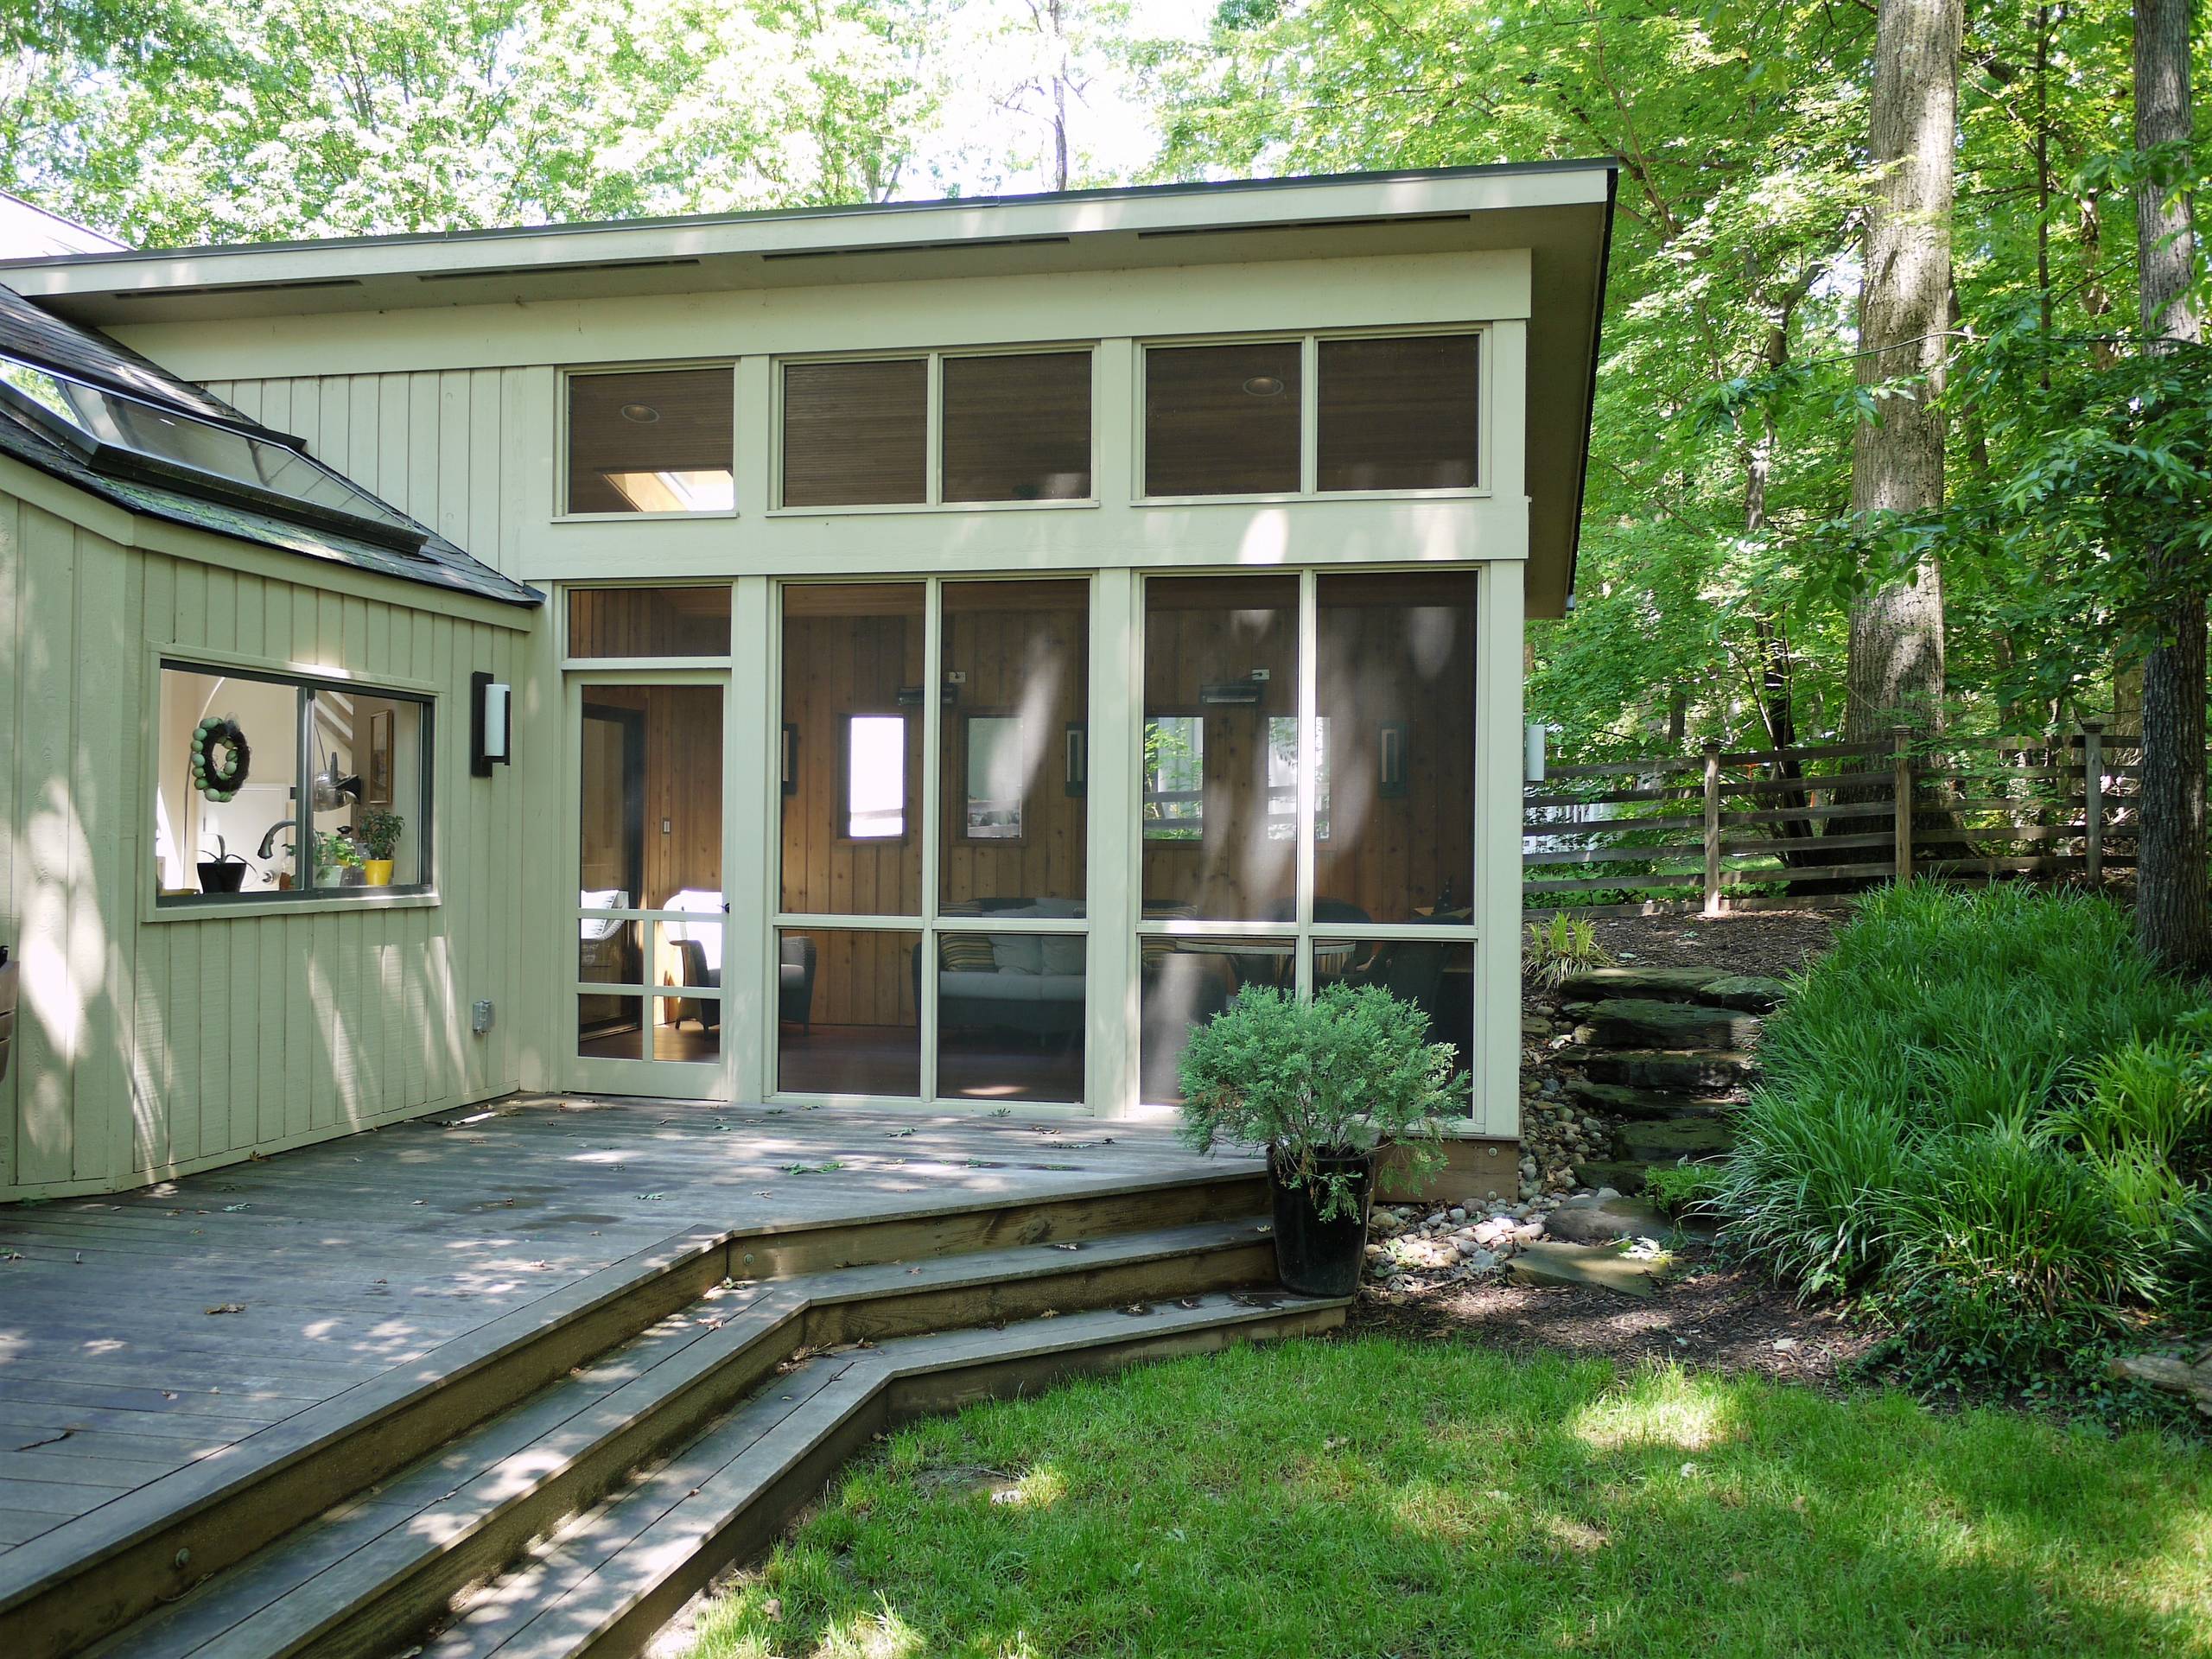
{"type": "Point", "coordinates": [1662, 1408]}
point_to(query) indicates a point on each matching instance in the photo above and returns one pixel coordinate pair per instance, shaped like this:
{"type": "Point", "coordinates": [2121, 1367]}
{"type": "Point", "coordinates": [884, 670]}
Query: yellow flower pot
{"type": "Point", "coordinates": [376, 872]}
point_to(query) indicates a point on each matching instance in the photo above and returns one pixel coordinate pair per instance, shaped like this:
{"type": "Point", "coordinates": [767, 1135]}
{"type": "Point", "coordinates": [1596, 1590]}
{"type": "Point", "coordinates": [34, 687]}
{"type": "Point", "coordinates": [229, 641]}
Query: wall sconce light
{"type": "Point", "coordinates": [910, 696]}
{"type": "Point", "coordinates": [1078, 745]}
{"type": "Point", "coordinates": [791, 758]}
{"type": "Point", "coordinates": [491, 724]}
{"type": "Point", "coordinates": [1533, 771]}
{"type": "Point", "coordinates": [1243, 694]}
{"type": "Point", "coordinates": [1390, 758]}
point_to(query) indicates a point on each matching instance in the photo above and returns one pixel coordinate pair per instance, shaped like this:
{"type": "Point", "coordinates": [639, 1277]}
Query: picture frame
{"type": "Point", "coordinates": [378, 774]}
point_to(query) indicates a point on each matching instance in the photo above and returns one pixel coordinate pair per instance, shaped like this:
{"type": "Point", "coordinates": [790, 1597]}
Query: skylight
{"type": "Point", "coordinates": [128, 437]}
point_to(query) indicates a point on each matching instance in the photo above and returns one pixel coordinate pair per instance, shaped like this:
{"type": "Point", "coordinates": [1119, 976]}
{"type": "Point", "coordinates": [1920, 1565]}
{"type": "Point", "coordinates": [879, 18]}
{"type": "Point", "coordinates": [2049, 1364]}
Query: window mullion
{"type": "Point", "coordinates": [1308, 768]}
{"type": "Point", "coordinates": [932, 814]}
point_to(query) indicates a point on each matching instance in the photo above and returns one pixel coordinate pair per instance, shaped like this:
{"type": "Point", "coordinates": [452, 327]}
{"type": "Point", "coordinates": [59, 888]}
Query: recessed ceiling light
{"type": "Point", "coordinates": [1264, 385]}
{"type": "Point", "coordinates": [643, 414]}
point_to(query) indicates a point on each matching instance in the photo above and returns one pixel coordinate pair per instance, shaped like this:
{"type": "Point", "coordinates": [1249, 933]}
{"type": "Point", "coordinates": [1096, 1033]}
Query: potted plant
{"type": "Point", "coordinates": [225, 872]}
{"type": "Point", "coordinates": [378, 835]}
{"type": "Point", "coordinates": [337, 860]}
{"type": "Point", "coordinates": [1325, 1086]}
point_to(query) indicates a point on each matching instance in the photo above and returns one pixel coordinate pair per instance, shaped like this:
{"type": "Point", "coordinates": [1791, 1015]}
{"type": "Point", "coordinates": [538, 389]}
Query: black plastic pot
{"type": "Point", "coordinates": [224, 875]}
{"type": "Point", "coordinates": [1316, 1257]}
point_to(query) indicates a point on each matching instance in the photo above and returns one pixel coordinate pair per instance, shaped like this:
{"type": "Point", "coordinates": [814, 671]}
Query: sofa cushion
{"type": "Point", "coordinates": [1018, 953]}
{"type": "Point", "coordinates": [957, 952]}
{"type": "Point", "coordinates": [990, 988]}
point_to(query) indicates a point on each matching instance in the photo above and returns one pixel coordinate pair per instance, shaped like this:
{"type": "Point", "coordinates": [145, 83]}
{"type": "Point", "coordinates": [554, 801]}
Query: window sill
{"type": "Point", "coordinates": [637, 517]}
{"type": "Point", "coordinates": [1308, 497]}
{"type": "Point", "coordinates": [203, 907]}
{"type": "Point", "coordinates": [877, 509]}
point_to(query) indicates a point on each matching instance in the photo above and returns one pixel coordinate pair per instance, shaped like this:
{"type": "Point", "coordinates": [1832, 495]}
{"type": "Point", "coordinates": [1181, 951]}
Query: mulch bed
{"type": "Point", "coordinates": [1775, 942]}
{"type": "Point", "coordinates": [1707, 1315]}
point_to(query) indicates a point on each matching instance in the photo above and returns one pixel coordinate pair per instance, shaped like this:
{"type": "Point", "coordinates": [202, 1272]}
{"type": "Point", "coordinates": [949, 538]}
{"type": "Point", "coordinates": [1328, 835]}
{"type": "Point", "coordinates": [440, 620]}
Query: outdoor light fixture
{"type": "Point", "coordinates": [1390, 750]}
{"type": "Point", "coordinates": [1078, 758]}
{"type": "Point", "coordinates": [641, 414]}
{"type": "Point", "coordinates": [1264, 385]}
{"type": "Point", "coordinates": [910, 696]}
{"type": "Point", "coordinates": [491, 724]}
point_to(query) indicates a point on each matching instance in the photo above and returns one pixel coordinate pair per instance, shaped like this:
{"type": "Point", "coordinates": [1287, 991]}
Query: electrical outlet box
{"type": "Point", "coordinates": [480, 1015]}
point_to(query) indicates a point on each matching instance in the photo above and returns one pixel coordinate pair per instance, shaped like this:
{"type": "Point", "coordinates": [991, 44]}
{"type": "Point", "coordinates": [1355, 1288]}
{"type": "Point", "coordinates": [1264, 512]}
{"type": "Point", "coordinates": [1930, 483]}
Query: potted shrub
{"type": "Point", "coordinates": [378, 837]}
{"type": "Point", "coordinates": [225, 872]}
{"type": "Point", "coordinates": [1325, 1086]}
{"type": "Point", "coordinates": [337, 860]}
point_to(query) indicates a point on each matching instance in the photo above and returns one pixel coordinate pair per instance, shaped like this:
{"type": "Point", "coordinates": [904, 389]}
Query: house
{"type": "Point", "coordinates": [930, 653]}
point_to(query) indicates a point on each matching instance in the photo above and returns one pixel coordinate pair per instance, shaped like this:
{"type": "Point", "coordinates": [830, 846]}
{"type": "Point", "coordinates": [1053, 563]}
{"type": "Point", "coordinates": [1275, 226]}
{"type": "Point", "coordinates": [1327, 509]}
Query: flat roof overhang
{"type": "Point", "coordinates": [1561, 212]}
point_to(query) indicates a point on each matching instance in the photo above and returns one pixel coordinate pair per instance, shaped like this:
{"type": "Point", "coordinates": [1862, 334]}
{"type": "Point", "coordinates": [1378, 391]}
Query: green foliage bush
{"type": "Point", "coordinates": [1986, 1110]}
{"type": "Point", "coordinates": [1353, 1069]}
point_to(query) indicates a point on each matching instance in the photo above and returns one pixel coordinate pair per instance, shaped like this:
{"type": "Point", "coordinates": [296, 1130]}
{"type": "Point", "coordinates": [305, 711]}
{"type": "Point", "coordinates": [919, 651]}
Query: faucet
{"type": "Point", "coordinates": [269, 841]}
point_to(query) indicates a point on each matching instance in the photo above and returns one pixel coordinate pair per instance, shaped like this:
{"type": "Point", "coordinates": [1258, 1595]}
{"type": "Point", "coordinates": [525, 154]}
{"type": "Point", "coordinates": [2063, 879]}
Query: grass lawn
{"type": "Point", "coordinates": [1373, 1497]}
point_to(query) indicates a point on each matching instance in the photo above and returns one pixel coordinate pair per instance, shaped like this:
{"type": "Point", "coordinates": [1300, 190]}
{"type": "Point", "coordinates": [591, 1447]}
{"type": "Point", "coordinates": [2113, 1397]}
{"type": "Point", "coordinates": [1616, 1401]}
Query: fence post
{"type": "Point", "coordinates": [1712, 826]}
{"type": "Point", "coordinates": [1901, 769]}
{"type": "Point", "coordinates": [2093, 799]}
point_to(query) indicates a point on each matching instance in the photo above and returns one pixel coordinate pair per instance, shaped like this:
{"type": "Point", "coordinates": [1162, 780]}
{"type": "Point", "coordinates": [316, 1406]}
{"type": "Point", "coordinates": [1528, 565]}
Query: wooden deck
{"type": "Point", "coordinates": [142, 1333]}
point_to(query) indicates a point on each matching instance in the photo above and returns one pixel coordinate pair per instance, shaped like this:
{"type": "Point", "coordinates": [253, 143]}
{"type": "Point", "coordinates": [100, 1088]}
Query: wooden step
{"type": "Point", "coordinates": [386, 1562]}
{"type": "Point", "coordinates": [604, 1584]}
{"type": "Point", "coordinates": [77, 1583]}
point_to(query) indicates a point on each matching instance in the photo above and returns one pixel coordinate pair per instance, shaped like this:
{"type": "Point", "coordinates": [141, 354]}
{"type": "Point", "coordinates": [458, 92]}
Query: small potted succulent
{"type": "Point", "coordinates": [225, 872]}
{"type": "Point", "coordinates": [337, 860]}
{"type": "Point", "coordinates": [378, 837]}
{"type": "Point", "coordinates": [1325, 1086]}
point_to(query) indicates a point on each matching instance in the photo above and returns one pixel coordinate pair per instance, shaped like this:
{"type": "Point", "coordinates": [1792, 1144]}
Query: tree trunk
{"type": "Point", "coordinates": [2171, 914]}
{"type": "Point", "coordinates": [1894, 667]}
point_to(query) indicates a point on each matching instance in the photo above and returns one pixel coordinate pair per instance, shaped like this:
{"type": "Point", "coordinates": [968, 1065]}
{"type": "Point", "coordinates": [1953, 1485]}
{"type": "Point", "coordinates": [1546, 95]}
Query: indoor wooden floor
{"type": "Point", "coordinates": [140, 1333]}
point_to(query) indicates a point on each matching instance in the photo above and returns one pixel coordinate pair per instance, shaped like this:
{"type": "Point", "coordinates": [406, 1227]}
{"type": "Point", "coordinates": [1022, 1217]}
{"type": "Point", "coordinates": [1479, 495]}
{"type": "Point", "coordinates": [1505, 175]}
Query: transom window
{"type": "Point", "coordinates": [1011, 426]}
{"type": "Point", "coordinates": [652, 440]}
{"type": "Point", "coordinates": [270, 787]}
{"type": "Point", "coordinates": [1387, 412]}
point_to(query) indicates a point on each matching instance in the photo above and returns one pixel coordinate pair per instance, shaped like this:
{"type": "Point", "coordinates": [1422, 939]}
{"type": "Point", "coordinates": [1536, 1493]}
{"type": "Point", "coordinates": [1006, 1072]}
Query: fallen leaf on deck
{"type": "Point", "coordinates": [228, 1307]}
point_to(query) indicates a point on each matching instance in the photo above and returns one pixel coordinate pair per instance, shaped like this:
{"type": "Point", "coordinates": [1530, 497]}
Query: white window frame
{"type": "Point", "coordinates": [561, 406]}
{"type": "Point", "coordinates": [933, 460]}
{"type": "Point", "coordinates": [1309, 396]}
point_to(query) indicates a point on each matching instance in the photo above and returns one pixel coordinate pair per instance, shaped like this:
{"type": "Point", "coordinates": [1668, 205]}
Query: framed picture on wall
{"type": "Point", "coordinates": [380, 768]}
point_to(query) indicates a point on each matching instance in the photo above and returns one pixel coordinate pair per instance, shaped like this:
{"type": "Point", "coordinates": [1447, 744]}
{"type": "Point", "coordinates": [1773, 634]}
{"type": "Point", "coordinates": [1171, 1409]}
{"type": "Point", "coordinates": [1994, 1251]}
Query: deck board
{"type": "Point", "coordinates": [353, 1259]}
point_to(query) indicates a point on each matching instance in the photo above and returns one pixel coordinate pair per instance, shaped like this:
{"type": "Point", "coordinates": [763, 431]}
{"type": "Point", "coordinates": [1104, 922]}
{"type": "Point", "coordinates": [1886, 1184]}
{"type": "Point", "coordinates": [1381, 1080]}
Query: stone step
{"type": "Point", "coordinates": [1694, 1071]}
{"type": "Point", "coordinates": [1621, 1176]}
{"type": "Point", "coordinates": [1667, 1142]}
{"type": "Point", "coordinates": [1712, 987]}
{"type": "Point", "coordinates": [1642, 1022]}
{"type": "Point", "coordinates": [1549, 1262]}
{"type": "Point", "coordinates": [1618, 1099]}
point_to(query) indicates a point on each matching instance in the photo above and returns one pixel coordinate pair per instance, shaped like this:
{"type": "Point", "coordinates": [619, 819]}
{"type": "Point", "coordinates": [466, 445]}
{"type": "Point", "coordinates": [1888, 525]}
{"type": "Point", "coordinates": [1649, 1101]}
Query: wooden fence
{"type": "Point", "coordinates": [1768, 829]}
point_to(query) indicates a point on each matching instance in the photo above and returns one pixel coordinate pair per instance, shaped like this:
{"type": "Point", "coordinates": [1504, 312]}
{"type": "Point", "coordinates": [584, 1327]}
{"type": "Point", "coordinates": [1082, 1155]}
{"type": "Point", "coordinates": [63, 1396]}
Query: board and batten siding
{"type": "Point", "coordinates": [442, 445]}
{"type": "Point", "coordinates": [150, 1045]}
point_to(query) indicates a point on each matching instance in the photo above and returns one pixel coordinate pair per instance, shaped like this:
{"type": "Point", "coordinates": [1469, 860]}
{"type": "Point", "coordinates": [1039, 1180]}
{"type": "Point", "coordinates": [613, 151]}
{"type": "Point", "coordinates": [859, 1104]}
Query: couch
{"type": "Point", "coordinates": [1029, 983]}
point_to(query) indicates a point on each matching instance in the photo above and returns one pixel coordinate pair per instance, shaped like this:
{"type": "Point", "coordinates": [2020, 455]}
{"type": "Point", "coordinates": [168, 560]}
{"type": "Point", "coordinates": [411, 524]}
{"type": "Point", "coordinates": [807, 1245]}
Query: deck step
{"type": "Point", "coordinates": [387, 1561]}
{"type": "Point", "coordinates": [606, 1582]}
{"type": "Point", "coordinates": [137, 1558]}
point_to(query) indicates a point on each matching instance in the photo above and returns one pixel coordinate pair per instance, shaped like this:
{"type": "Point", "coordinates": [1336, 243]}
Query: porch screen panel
{"type": "Point", "coordinates": [1017, 427]}
{"type": "Point", "coordinates": [1221, 420]}
{"type": "Point", "coordinates": [1221, 695]}
{"type": "Point", "coordinates": [658, 441]}
{"type": "Point", "coordinates": [1185, 982]}
{"type": "Point", "coordinates": [1396, 413]}
{"type": "Point", "coordinates": [852, 672]}
{"type": "Point", "coordinates": [856, 433]}
{"type": "Point", "coordinates": [1395, 685]}
{"type": "Point", "coordinates": [1016, 745]}
{"type": "Point", "coordinates": [847, 1012]}
{"type": "Point", "coordinates": [1437, 976]}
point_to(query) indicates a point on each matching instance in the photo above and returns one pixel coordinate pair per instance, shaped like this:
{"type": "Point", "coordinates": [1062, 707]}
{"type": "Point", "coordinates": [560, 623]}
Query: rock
{"type": "Point", "coordinates": [1553, 1263]}
{"type": "Point", "coordinates": [1636, 1022]}
{"type": "Point", "coordinates": [1664, 1143]}
{"type": "Point", "coordinates": [1479, 1261]}
{"type": "Point", "coordinates": [1591, 1220]}
{"type": "Point", "coordinates": [2171, 1374]}
{"type": "Point", "coordinates": [1618, 1099]}
{"type": "Point", "coordinates": [1754, 993]}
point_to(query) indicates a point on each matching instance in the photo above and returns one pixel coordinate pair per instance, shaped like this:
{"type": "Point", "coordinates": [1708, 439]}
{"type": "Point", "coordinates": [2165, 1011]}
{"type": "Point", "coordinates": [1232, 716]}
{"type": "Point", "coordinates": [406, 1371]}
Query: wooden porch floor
{"type": "Point", "coordinates": [141, 1332]}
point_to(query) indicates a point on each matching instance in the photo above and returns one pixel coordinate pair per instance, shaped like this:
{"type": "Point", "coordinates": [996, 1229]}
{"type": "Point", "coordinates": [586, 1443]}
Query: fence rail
{"type": "Point", "coordinates": [1752, 830]}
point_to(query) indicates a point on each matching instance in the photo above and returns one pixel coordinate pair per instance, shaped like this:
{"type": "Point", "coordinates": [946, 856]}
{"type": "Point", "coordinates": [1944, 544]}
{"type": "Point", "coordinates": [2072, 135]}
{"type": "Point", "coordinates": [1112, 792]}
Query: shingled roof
{"type": "Point", "coordinates": [36, 336]}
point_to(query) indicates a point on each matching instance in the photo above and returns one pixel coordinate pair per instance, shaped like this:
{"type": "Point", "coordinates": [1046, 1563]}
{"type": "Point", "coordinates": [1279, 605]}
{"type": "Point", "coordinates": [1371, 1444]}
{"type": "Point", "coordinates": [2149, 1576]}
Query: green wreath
{"type": "Point", "coordinates": [220, 757]}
